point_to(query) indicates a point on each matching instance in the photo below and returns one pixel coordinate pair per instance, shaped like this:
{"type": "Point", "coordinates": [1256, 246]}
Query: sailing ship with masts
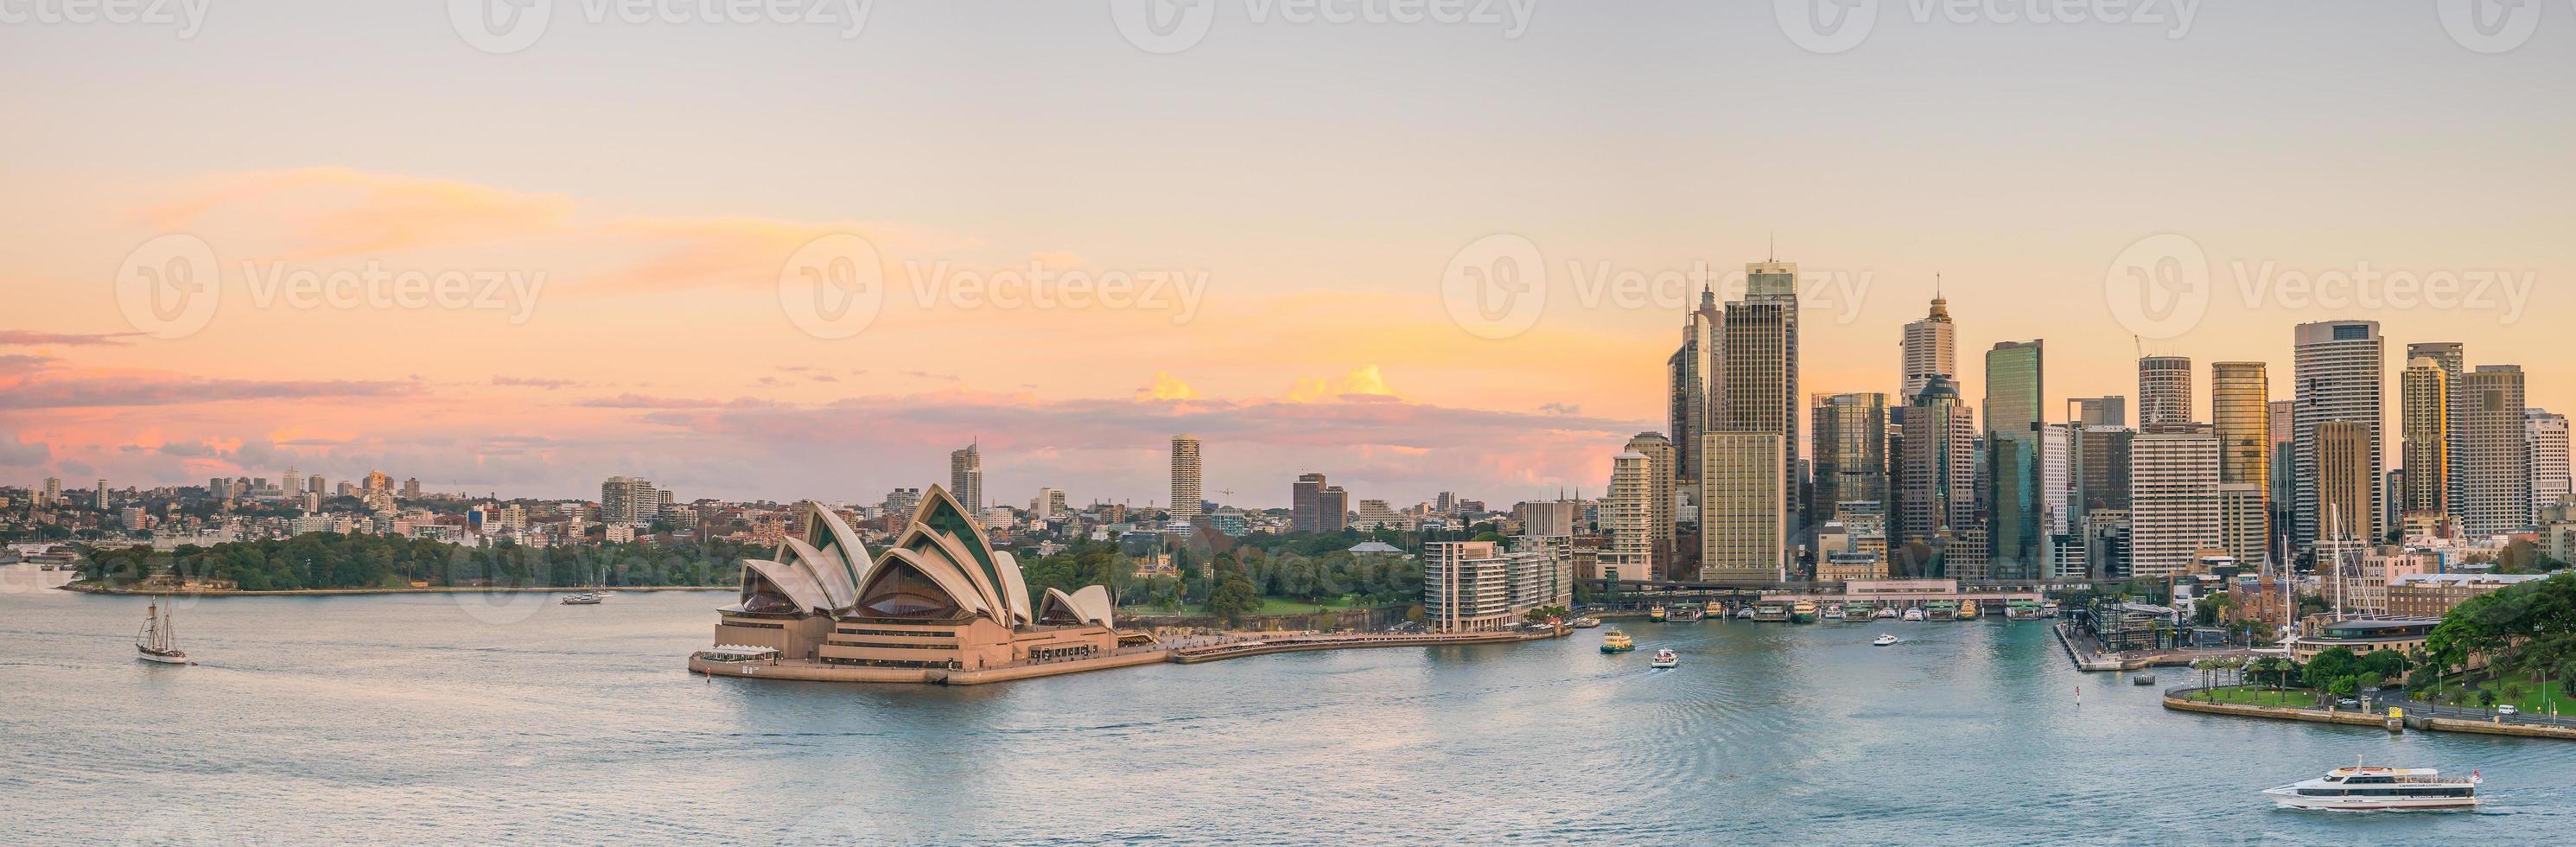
{"type": "Point", "coordinates": [159, 641]}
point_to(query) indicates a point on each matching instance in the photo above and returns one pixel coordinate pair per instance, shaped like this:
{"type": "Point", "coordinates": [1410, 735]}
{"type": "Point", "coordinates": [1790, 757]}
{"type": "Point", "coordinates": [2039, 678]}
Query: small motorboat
{"type": "Point", "coordinates": [1882, 641]}
{"type": "Point", "coordinates": [582, 599]}
{"type": "Point", "coordinates": [1666, 658]}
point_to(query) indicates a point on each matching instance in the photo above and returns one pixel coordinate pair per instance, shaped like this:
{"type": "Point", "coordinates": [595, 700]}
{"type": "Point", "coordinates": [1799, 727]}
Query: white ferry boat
{"type": "Point", "coordinates": [1913, 613]}
{"type": "Point", "coordinates": [1666, 658]}
{"type": "Point", "coordinates": [2366, 789]}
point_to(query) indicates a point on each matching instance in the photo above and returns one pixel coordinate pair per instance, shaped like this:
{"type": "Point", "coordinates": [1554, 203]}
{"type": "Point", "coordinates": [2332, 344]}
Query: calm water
{"type": "Point", "coordinates": [505, 718]}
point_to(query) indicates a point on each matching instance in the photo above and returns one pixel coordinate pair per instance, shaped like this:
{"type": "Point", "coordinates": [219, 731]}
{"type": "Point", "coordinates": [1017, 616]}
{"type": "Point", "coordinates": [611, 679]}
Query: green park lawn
{"type": "Point", "coordinates": [2536, 699]}
{"type": "Point", "coordinates": [2251, 695]}
{"type": "Point", "coordinates": [1271, 606]}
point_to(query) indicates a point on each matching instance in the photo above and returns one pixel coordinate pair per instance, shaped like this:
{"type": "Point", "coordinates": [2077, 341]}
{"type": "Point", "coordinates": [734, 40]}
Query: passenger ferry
{"type": "Point", "coordinates": [1587, 623]}
{"type": "Point", "coordinates": [1684, 613]}
{"type": "Point", "coordinates": [1830, 611]}
{"type": "Point", "coordinates": [1803, 611]}
{"type": "Point", "coordinates": [2048, 609]}
{"type": "Point", "coordinates": [1913, 613]}
{"type": "Point", "coordinates": [1771, 612]}
{"type": "Point", "coordinates": [1968, 610]}
{"type": "Point", "coordinates": [2021, 610]}
{"type": "Point", "coordinates": [1655, 614]}
{"type": "Point", "coordinates": [1666, 658]}
{"type": "Point", "coordinates": [1856, 611]}
{"type": "Point", "coordinates": [1744, 614]}
{"type": "Point", "coordinates": [2368, 789]}
{"type": "Point", "coordinates": [1940, 610]}
{"type": "Point", "coordinates": [1615, 641]}
{"type": "Point", "coordinates": [1887, 613]}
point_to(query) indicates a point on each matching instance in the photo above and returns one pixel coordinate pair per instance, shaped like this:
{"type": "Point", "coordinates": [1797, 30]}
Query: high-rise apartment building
{"type": "Point", "coordinates": [2164, 391]}
{"type": "Point", "coordinates": [1931, 474]}
{"type": "Point", "coordinates": [2337, 378]}
{"type": "Point", "coordinates": [2174, 498]}
{"type": "Point", "coordinates": [2244, 521]}
{"type": "Point", "coordinates": [1850, 453]}
{"type": "Point", "coordinates": [1761, 368]}
{"type": "Point", "coordinates": [1186, 495]}
{"type": "Point", "coordinates": [1627, 517]}
{"type": "Point", "coordinates": [630, 500]}
{"type": "Point", "coordinates": [1930, 348]}
{"type": "Point", "coordinates": [1659, 452]}
{"type": "Point", "coordinates": [1695, 373]}
{"type": "Point", "coordinates": [1316, 506]}
{"type": "Point", "coordinates": [1744, 517]}
{"type": "Point", "coordinates": [2424, 436]}
{"type": "Point", "coordinates": [1049, 503]}
{"type": "Point", "coordinates": [2494, 462]}
{"type": "Point", "coordinates": [2016, 526]}
{"type": "Point", "coordinates": [966, 478]}
{"type": "Point", "coordinates": [2545, 434]}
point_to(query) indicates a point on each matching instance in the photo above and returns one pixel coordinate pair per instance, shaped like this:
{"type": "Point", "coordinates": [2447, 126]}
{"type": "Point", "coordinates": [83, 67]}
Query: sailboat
{"type": "Point", "coordinates": [159, 642]}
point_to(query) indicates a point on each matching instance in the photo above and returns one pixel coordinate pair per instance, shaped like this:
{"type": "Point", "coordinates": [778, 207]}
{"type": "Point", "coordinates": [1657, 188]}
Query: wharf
{"type": "Point", "coordinates": [809, 670]}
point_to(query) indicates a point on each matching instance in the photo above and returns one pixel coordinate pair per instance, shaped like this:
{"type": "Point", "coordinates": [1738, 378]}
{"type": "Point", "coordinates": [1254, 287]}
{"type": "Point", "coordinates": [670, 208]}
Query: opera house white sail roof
{"type": "Point", "coordinates": [940, 567]}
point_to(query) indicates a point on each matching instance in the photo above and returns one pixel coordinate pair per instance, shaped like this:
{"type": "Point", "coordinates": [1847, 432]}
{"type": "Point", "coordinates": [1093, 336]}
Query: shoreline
{"type": "Point", "coordinates": [2411, 721]}
{"type": "Point", "coordinates": [436, 589]}
{"type": "Point", "coordinates": [807, 670]}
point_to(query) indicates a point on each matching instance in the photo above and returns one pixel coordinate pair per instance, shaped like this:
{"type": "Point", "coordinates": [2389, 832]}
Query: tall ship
{"type": "Point", "coordinates": [1859, 611]}
{"type": "Point", "coordinates": [159, 641]}
{"type": "Point", "coordinates": [1968, 610]}
{"type": "Point", "coordinates": [1615, 641]}
{"type": "Point", "coordinates": [1941, 610]}
{"type": "Point", "coordinates": [1803, 611]}
{"type": "Point", "coordinates": [2366, 789]}
{"type": "Point", "coordinates": [1771, 611]}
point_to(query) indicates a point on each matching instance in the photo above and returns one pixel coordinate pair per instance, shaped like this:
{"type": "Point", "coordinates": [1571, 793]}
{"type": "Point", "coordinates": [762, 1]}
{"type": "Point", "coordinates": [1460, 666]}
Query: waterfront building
{"type": "Point", "coordinates": [939, 596]}
{"type": "Point", "coordinates": [1627, 517]}
{"type": "Point", "coordinates": [2546, 436]}
{"type": "Point", "coordinates": [2337, 374]}
{"type": "Point", "coordinates": [1660, 475]}
{"type": "Point", "coordinates": [2106, 541]}
{"type": "Point", "coordinates": [1761, 371]}
{"type": "Point", "coordinates": [2102, 411]}
{"type": "Point", "coordinates": [1743, 521]}
{"type": "Point", "coordinates": [1930, 349]}
{"type": "Point", "coordinates": [2494, 464]}
{"type": "Point", "coordinates": [2424, 436]}
{"type": "Point", "coordinates": [1693, 375]}
{"type": "Point", "coordinates": [2174, 509]}
{"type": "Point", "coordinates": [2432, 595]}
{"type": "Point", "coordinates": [966, 477]}
{"type": "Point", "coordinates": [2164, 391]}
{"type": "Point", "coordinates": [2017, 527]}
{"type": "Point", "coordinates": [1186, 494]}
{"type": "Point", "coordinates": [1851, 567]}
{"type": "Point", "coordinates": [1479, 586]}
{"type": "Point", "coordinates": [1850, 453]}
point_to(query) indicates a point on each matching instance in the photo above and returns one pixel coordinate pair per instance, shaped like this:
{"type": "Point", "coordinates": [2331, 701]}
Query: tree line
{"type": "Point", "coordinates": [325, 560]}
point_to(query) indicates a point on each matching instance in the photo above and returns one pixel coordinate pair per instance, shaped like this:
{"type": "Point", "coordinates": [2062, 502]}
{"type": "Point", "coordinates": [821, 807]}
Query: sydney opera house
{"type": "Point", "coordinates": [940, 598]}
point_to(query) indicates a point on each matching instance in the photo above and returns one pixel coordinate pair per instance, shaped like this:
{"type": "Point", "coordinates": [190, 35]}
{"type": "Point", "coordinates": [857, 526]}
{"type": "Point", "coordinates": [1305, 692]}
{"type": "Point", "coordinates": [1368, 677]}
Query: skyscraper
{"type": "Point", "coordinates": [1627, 517]}
{"type": "Point", "coordinates": [1761, 368]}
{"type": "Point", "coordinates": [2016, 531]}
{"type": "Point", "coordinates": [1743, 520]}
{"type": "Point", "coordinates": [2337, 378]}
{"type": "Point", "coordinates": [1305, 503]}
{"type": "Point", "coordinates": [1850, 453]}
{"type": "Point", "coordinates": [1659, 453]}
{"type": "Point", "coordinates": [2343, 487]}
{"type": "Point", "coordinates": [2453, 358]}
{"type": "Point", "coordinates": [2164, 391]}
{"type": "Point", "coordinates": [2173, 498]}
{"type": "Point", "coordinates": [1930, 348]}
{"type": "Point", "coordinates": [2424, 436]}
{"type": "Point", "coordinates": [2494, 462]}
{"type": "Point", "coordinates": [1185, 479]}
{"type": "Point", "coordinates": [2240, 407]}
{"type": "Point", "coordinates": [2546, 436]}
{"type": "Point", "coordinates": [1932, 475]}
{"type": "Point", "coordinates": [1694, 372]}
{"type": "Point", "coordinates": [2102, 411]}
{"type": "Point", "coordinates": [966, 478]}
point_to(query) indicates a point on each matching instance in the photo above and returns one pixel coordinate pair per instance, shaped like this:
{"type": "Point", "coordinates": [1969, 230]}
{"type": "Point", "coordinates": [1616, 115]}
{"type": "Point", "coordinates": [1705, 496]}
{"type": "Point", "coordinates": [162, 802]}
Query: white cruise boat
{"type": "Point", "coordinates": [2367, 789]}
{"type": "Point", "coordinates": [1887, 613]}
{"type": "Point", "coordinates": [1914, 613]}
{"type": "Point", "coordinates": [1666, 658]}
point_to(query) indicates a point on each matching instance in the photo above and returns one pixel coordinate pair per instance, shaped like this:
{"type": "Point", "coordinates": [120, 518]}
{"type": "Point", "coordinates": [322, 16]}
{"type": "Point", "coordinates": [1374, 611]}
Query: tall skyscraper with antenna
{"type": "Point", "coordinates": [1931, 348]}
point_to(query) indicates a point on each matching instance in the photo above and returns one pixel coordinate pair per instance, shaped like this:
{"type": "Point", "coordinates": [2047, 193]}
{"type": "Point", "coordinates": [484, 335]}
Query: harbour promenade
{"type": "Point", "coordinates": [2411, 716]}
{"type": "Point", "coordinates": [2088, 654]}
{"type": "Point", "coordinates": [1187, 651]}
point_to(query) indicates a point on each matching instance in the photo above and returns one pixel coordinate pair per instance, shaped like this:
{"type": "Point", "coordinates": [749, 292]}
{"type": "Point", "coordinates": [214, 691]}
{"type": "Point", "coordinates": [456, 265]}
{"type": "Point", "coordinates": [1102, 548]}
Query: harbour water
{"type": "Point", "coordinates": [488, 718]}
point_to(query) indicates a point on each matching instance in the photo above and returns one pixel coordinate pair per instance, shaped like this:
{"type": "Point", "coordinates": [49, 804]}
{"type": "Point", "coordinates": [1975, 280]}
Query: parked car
{"type": "Point", "coordinates": [2507, 710]}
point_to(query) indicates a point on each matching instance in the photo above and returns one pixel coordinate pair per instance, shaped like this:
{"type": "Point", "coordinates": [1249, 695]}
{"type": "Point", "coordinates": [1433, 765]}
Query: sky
{"type": "Point", "coordinates": [1418, 247]}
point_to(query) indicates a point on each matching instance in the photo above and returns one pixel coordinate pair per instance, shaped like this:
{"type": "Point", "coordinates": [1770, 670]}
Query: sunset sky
{"type": "Point", "coordinates": [1316, 178]}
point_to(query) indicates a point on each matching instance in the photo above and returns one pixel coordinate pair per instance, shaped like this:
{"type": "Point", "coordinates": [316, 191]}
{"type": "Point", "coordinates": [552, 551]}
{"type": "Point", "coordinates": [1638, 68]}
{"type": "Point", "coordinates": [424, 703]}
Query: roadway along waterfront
{"type": "Point", "coordinates": [482, 718]}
